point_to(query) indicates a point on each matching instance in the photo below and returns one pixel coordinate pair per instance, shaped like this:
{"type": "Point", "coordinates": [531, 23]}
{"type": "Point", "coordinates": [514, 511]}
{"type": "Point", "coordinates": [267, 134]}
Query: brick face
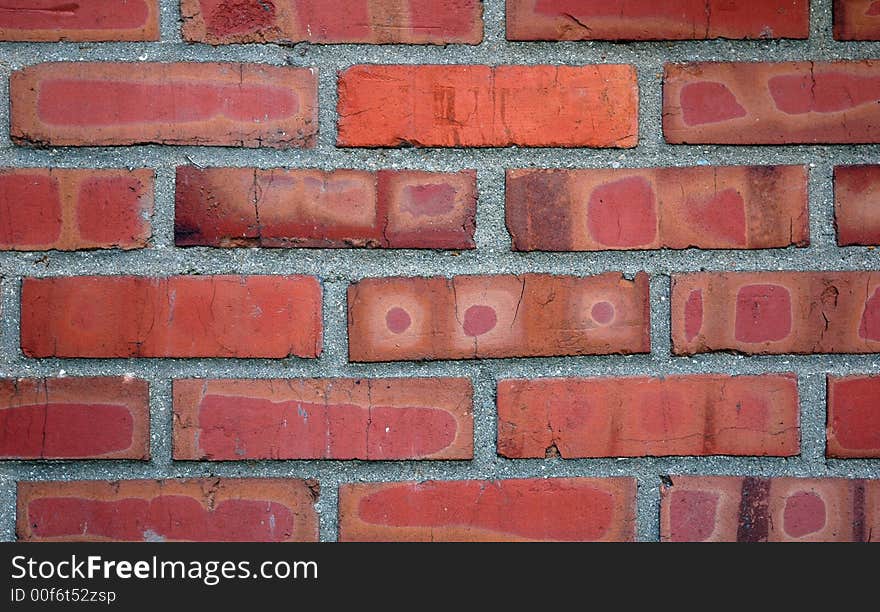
{"type": "Point", "coordinates": [772, 103]}
{"type": "Point", "coordinates": [749, 509]}
{"type": "Point", "coordinates": [95, 20]}
{"type": "Point", "coordinates": [856, 205]}
{"type": "Point", "coordinates": [182, 316]}
{"type": "Point", "coordinates": [74, 418]}
{"type": "Point", "coordinates": [241, 207]}
{"type": "Point", "coordinates": [856, 20]}
{"type": "Point", "coordinates": [483, 106]}
{"type": "Point", "coordinates": [776, 312]}
{"type": "Point", "coordinates": [677, 20]}
{"type": "Point", "coordinates": [652, 208]}
{"type": "Point", "coordinates": [69, 210]}
{"type": "Point", "coordinates": [564, 509]}
{"type": "Point", "coordinates": [579, 270]}
{"type": "Point", "coordinates": [205, 510]}
{"type": "Point", "coordinates": [470, 317]}
{"type": "Point", "coordinates": [108, 104]}
{"type": "Point", "coordinates": [636, 417]}
{"type": "Point", "coordinates": [853, 417]}
{"type": "Point", "coordinates": [323, 419]}
{"type": "Point", "coordinates": [437, 22]}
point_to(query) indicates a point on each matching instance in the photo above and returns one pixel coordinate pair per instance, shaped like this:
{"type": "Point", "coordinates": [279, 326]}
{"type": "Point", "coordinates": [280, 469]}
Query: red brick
{"type": "Point", "coordinates": [470, 317]}
{"type": "Point", "coordinates": [105, 104]}
{"type": "Point", "coordinates": [772, 103]}
{"type": "Point", "coordinates": [484, 106]}
{"type": "Point", "coordinates": [178, 316]}
{"type": "Point", "coordinates": [856, 20]}
{"type": "Point", "coordinates": [641, 417]}
{"type": "Point", "coordinates": [201, 510]}
{"type": "Point", "coordinates": [853, 417]}
{"type": "Point", "coordinates": [752, 207]}
{"type": "Point", "coordinates": [94, 20]}
{"type": "Point", "coordinates": [231, 207]}
{"type": "Point", "coordinates": [568, 509]}
{"type": "Point", "coordinates": [776, 312]}
{"type": "Point", "coordinates": [74, 418]}
{"type": "Point", "coordinates": [68, 210]}
{"type": "Point", "coordinates": [378, 419]}
{"type": "Point", "coordinates": [676, 20]}
{"type": "Point", "coordinates": [748, 509]}
{"type": "Point", "coordinates": [436, 22]}
{"type": "Point", "coordinates": [857, 205]}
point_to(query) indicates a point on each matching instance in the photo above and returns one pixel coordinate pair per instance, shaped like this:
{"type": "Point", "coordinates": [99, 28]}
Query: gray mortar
{"type": "Point", "coordinates": [337, 267]}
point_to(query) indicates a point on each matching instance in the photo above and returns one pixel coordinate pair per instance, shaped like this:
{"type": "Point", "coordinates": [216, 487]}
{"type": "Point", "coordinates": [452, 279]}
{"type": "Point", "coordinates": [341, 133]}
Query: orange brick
{"type": "Point", "coordinates": [483, 106]}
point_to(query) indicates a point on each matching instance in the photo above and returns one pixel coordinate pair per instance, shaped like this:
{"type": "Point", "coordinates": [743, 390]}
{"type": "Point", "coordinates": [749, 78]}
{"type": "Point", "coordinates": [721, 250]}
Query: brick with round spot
{"type": "Point", "coordinates": [477, 316]}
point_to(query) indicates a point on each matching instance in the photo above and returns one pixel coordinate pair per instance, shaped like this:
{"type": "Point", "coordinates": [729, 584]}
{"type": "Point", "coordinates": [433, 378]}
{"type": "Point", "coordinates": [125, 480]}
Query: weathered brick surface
{"type": "Point", "coordinates": [74, 418]}
{"type": "Point", "coordinates": [636, 417]}
{"type": "Point", "coordinates": [89, 20]}
{"type": "Point", "coordinates": [749, 509]}
{"type": "Point", "coordinates": [238, 207]}
{"type": "Point", "coordinates": [776, 312]}
{"type": "Point", "coordinates": [437, 22]}
{"type": "Point", "coordinates": [572, 509]}
{"type": "Point", "coordinates": [857, 205]}
{"type": "Point", "coordinates": [202, 510]}
{"type": "Point", "coordinates": [178, 316]}
{"type": "Point", "coordinates": [470, 317]}
{"type": "Point", "coordinates": [856, 20]}
{"type": "Point", "coordinates": [753, 207]}
{"type": "Point", "coordinates": [107, 104]}
{"type": "Point", "coordinates": [387, 418]}
{"type": "Point", "coordinates": [484, 106]}
{"type": "Point", "coordinates": [853, 416]}
{"type": "Point", "coordinates": [772, 103]}
{"type": "Point", "coordinates": [69, 210]}
{"type": "Point", "coordinates": [676, 20]}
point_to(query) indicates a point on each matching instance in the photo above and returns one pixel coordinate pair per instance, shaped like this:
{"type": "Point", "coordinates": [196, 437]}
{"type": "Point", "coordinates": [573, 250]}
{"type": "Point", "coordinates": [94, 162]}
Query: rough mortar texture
{"type": "Point", "coordinates": [493, 255]}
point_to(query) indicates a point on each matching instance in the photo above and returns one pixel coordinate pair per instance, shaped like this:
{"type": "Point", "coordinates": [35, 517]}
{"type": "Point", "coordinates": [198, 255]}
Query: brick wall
{"type": "Point", "coordinates": [432, 269]}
